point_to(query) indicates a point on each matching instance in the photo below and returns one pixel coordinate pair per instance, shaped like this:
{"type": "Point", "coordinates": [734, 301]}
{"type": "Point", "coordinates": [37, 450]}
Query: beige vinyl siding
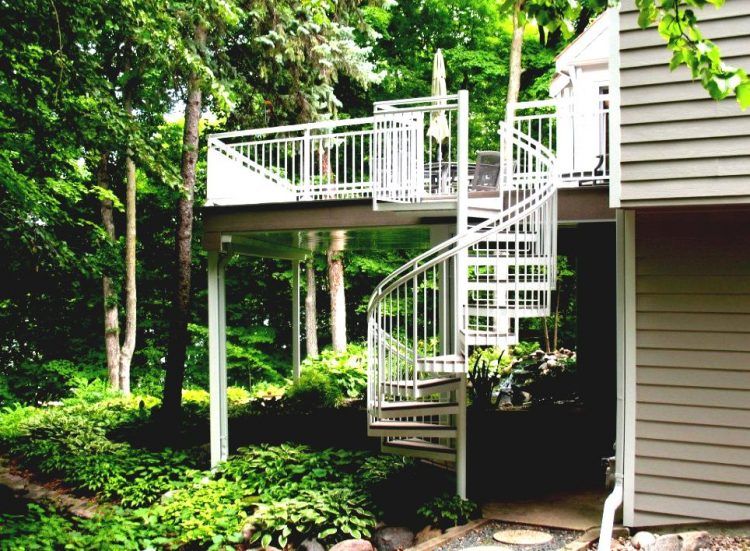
{"type": "Point", "coordinates": [678, 146]}
{"type": "Point", "coordinates": [692, 420]}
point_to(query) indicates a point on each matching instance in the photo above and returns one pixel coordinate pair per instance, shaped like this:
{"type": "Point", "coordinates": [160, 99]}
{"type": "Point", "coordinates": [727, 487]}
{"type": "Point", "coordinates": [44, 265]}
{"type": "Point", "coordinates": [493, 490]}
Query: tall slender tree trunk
{"type": "Point", "coordinates": [557, 320]}
{"type": "Point", "coordinates": [180, 310]}
{"type": "Point", "coordinates": [311, 311]}
{"type": "Point", "coordinates": [516, 51]}
{"type": "Point", "coordinates": [109, 298]}
{"type": "Point", "coordinates": [338, 299]}
{"type": "Point", "coordinates": [128, 345]}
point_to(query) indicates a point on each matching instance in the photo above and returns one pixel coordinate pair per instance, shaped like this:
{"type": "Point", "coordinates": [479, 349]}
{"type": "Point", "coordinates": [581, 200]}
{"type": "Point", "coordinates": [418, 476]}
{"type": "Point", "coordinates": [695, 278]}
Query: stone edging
{"type": "Point", "coordinates": [32, 491]}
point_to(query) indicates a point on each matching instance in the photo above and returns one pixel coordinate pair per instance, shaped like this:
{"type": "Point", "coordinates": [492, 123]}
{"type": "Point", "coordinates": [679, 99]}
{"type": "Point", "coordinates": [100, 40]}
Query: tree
{"type": "Point", "coordinates": [109, 294]}
{"type": "Point", "coordinates": [335, 259]}
{"type": "Point", "coordinates": [128, 344]}
{"type": "Point", "coordinates": [180, 309]}
{"type": "Point", "coordinates": [311, 313]}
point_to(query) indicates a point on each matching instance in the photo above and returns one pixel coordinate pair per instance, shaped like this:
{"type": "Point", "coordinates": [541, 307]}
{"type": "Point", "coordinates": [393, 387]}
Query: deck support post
{"type": "Point", "coordinates": [462, 214]}
{"type": "Point", "coordinates": [461, 438]}
{"type": "Point", "coordinates": [295, 320]}
{"type": "Point", "coordinates": [459, 286]}
{"type": "Point", "coordinates": [217, 357]}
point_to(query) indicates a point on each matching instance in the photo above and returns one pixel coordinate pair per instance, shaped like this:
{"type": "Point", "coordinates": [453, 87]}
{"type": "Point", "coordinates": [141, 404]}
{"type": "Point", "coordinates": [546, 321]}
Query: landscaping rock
{"type": "Point", "coordinates": [393, 538]}
{"type": "Point", "coordinates": [427, 533]}
{"type": "Point", "coordinates": [694, 541]}
{"type": "Point", "coordinates": [641, 540]}
{"type": "Point", "coordinates": [669, 542]}
{"type": "Point", "coordinates": [352, 545]}
{"type": "Point", "coordinates": [311, 545]}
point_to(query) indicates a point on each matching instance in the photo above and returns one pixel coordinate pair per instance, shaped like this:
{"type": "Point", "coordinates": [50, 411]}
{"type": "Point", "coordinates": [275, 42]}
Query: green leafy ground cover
{"type": "Point", "coordinates": [161, 497]}
{"type": "Point", "coordinates": [166, 498]}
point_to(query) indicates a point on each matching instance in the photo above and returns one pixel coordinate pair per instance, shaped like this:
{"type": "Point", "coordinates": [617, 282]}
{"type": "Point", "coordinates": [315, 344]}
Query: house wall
{"type": "Point", "coordinates": [692, 409]}
{"type": "Point", "coordinates": [679, 146]}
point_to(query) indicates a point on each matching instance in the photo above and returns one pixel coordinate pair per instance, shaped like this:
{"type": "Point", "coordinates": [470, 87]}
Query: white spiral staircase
{"type": "Point", "coordinates": [425, 319]}
{"type": "Point", "coordinates": [428, 316]}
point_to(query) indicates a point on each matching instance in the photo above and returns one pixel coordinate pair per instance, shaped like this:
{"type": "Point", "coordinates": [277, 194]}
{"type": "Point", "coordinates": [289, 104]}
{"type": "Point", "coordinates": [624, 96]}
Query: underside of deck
{"type": "Point", "coordinates": [290, 227]}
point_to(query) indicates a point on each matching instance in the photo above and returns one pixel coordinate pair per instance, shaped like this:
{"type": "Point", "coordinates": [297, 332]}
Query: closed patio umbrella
{"type": "Point", "coordinates": [439, 129]}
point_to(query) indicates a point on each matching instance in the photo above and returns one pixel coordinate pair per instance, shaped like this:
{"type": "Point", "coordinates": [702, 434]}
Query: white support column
{"type": "Point", "coordinates": [626, 228]}
{"type": "Point", "coordinates": [461, 276]}
{"type": "Point", "coordinates": [461, 438]}
{"type": "Point", "coordinates": [462, 213]}
{"type": "Point", "coordinates": [217, 364]}
{"type": "Point", "coordinates": [295, 320]}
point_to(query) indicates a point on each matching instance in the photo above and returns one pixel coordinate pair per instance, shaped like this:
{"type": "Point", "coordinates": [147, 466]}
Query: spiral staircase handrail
{"type": "Point", "coordinates": [505, 219]}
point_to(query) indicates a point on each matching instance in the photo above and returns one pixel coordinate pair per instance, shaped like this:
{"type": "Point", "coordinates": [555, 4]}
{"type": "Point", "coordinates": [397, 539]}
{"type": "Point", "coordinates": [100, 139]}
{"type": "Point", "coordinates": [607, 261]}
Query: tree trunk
{"type": "Point", "coordinates": [338, 299]}
{"type": "Point", "coordinates": [128, 345]}
{"type": "Point", "coordinates": [516, 50]}
{"type": "Point", "coordinates": [180, 310]}
{"type": "Point", "coordinates": [311, 313]}
{"type": "Point", "coordinates": [557, 320]}
{"type": "Point", "coordinates": [545, 329]}
{"type": "Point", "coordinates": [109, 298]}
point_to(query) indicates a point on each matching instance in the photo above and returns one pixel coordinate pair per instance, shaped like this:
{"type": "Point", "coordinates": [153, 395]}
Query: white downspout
{"type": "Point", "coordinates": [615, 499]}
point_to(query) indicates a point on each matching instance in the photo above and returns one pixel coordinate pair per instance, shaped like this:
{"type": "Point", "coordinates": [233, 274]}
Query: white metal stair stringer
{"type": "Point", "coordinates": [420, 335]}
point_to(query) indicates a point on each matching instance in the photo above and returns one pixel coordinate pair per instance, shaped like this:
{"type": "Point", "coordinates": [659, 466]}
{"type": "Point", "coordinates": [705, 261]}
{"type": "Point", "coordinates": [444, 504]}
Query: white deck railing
{"type": "Point", "coordinates": [390, 156]}
{"type": "Point", "coordinates": [304, 162]}
{"type": "Point", "coordinates": [575, 131]}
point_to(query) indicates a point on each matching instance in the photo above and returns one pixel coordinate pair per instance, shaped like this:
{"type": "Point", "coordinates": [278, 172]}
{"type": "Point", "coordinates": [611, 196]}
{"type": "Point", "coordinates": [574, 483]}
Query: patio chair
{"type": "Point", "coordinates": [487, 171]}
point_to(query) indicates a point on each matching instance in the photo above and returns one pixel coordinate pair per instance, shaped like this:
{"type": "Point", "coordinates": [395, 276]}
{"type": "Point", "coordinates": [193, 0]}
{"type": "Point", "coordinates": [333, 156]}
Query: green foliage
{"type": "Point", "coordinates": [331, 379]}
{"type": "Point", "coordinates": [448, 510]}
{"type": "Point", "coordinates": [42, 527]}
{"type": "Point", "coordinates": [678, 25]}
{"type": "Point", "coordinates": [380, 468]}
{"type": "Point", "coordinates": [37, 382]}
{"type": "Point", "coordinates": [488, 367]}
{"type": "Point", "coordinates": [276, 494]}
{"type": "Point", "coordinates": [314, 389]}
{"type": "Point", "coordinates": [474, 36]}
{"type": "Point", "coordinates": [329, 514]}
{"type": "Point", "coordinates": [71, 442]}
{"type": "Point", "coordinates": [524, 348]}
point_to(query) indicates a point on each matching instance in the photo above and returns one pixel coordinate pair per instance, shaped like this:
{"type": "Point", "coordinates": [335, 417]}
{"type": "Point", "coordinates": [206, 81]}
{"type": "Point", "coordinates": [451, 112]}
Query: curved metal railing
{"type": "Point", "coordinates": [431, 305]}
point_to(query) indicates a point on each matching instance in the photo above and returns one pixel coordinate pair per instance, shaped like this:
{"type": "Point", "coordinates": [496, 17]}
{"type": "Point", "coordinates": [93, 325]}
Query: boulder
{"type": "Point", "coordinates": [311, 544]}
{"type": "Point", "coordinates": [668, 542]}
{"type": "Point", "coordinates": [393, 538]}
{"type": "Point", "coordinates": [641, 540]}
{"type": "Point", "coordinates": [352, 545]}
{"type": "Point", "coordinates": [695, 541]}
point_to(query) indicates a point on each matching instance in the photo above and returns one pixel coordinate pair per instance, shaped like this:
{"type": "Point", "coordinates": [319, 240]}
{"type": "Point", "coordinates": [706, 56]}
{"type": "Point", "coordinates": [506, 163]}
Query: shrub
{"type": "Point", "coordinates": [330, 513]}
{"type": "Point", "coordinates": [331, 379]}
{"type": "Point", "coordinates": [314, 389]}
{"type": "Point", "coordinates": [448, 510]}
{"type": "Point", "coordinates": [37, 382]}
{"type": "Point", "coordinates": [282, 493]}
{"type": "Point", "coordinates": [70, 442]}
{"type": "Point", "coordinates": [525, 348]}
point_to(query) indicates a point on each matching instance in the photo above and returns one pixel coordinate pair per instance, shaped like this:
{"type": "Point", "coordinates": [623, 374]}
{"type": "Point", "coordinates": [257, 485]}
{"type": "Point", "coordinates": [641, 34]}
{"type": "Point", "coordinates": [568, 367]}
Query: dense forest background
{"type": "Point", "coordinates": [93, 100]}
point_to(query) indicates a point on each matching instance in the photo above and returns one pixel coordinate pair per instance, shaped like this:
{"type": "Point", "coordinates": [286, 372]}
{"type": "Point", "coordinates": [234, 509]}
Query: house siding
{"type": "Point", "coordinates": [678, 146]}
{"type": "Point", "coordinates": [692, 412]}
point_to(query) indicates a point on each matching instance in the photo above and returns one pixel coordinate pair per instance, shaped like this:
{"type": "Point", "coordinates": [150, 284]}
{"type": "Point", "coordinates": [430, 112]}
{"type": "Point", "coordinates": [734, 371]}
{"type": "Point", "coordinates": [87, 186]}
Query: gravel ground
{"type": "Point", "coordinates": [483, 536]}
{"type": "Point", "coordinates": [718, 543]}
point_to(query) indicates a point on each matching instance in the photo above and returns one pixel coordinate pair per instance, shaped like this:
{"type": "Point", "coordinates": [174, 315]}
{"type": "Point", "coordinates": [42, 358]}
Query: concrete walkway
{"type": "Point", "coordinates": [579, 510]}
